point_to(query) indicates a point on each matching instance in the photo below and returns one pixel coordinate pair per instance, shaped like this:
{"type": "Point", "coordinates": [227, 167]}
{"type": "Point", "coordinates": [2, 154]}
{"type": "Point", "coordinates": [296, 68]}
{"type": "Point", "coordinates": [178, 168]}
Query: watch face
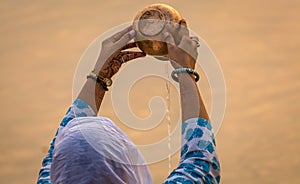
{"type": "Point", "coordinates": [108, 82]}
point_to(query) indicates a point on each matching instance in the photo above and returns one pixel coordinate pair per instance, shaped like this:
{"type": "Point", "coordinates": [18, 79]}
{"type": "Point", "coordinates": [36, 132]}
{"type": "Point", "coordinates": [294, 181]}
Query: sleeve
{"type": "Point", "coordinates": [198, 161]}
{"type": "Point", "coordinates": [78, 109]}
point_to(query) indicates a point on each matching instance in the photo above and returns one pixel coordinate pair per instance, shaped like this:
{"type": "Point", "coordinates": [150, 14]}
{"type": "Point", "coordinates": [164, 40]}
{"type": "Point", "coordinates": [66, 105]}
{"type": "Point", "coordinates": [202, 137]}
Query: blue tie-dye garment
{"type": "Point", "coordinates": [198, 163]}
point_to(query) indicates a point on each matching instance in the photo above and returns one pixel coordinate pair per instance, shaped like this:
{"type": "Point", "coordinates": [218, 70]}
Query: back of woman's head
{"type": "Point", "coordinates": [94, 151]}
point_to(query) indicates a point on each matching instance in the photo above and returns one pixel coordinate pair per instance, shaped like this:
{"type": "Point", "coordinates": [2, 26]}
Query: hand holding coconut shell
{"type": "Point", "coordinates": [160, 28]}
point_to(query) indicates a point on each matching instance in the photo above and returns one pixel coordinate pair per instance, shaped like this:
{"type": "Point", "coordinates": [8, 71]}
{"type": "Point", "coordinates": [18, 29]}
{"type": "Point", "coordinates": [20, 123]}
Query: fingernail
{"type": "Point", "coordinates": [132, 33]}
{"type": "Point", "coordinates": [166, 34]}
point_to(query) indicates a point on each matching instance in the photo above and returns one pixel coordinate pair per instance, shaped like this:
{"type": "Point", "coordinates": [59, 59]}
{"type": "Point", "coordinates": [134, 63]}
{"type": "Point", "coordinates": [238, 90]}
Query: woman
{"type": "Point", "coordinates": [72, 159]}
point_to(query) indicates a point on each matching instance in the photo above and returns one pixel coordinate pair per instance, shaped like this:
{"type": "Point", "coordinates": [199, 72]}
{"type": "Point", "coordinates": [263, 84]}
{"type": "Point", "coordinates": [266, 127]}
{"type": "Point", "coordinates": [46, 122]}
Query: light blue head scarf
{"type": "Point", "coordinates": [93, 150]}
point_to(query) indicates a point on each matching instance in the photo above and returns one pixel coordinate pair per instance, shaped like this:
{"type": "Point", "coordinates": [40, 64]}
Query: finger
{"type": "Point", "coordinates": [182, 28]}
{"type": "Point", "coordinates": [183, 22]}
{"type": "Point", "coordinates": [129, 46]}
{"type": "Point", "coordinates": [168, 38]}
{"type": "Point", "coordinates": [130, 55]}
{"type": "Point", "coordinates": [170, 42]}
{"type": "Point", "coordinates": [186, 43]}
{"type": "Point", "coordinates": [120, 34]}
{"type": "Point", "coordinates": [189, 46]}
{"type": "Point", "coordinates": [196, 40]}
{"type": "Point", "coordinates": [124, 39]}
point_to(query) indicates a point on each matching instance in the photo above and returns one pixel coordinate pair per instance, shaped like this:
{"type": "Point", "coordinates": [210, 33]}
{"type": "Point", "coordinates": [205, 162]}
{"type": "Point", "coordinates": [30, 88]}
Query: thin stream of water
{"type": "Point", "coordinates": [168, 119]}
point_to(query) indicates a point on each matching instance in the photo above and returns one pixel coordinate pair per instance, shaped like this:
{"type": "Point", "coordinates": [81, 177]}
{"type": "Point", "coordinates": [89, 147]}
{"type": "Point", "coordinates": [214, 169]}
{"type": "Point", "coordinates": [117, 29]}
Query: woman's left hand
{"type": "Point", "coordinates": [113, 53]}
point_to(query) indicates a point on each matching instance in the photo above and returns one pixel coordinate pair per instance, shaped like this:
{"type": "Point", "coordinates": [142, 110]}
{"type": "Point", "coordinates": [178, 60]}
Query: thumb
{"type": "Point", "coordinates": [168, 38]}
{"type": "Point", "coordinates": [125, 39]}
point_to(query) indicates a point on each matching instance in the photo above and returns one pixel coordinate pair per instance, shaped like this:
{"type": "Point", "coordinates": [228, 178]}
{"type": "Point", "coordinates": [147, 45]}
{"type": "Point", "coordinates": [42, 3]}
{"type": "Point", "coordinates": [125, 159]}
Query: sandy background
{"type": "Point", "coordinates": [255, 41]}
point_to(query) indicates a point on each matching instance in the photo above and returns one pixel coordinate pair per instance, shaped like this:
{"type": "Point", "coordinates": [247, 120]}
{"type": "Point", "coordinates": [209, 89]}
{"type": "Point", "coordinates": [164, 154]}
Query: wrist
{"type": "Point", "coordinates": [100, 80]}
{"type": "Point", "coordinates": [183, 76]}
{"type": "Point", "coordinates": [184, 72]}
{"type": "Point", "coordinates": [183, 63]}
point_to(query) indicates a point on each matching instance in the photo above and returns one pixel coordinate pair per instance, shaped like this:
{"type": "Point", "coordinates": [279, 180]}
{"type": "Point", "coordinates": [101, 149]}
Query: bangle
{"type": "Point", "coordinates": [103, 81]}
{"type": "Point", "coordinates": [184, 70]}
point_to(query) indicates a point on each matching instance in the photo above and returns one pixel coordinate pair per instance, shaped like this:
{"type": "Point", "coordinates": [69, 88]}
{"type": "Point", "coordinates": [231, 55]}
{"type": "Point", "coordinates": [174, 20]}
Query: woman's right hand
{"type": "Point", "coordinates": [183, 55]}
